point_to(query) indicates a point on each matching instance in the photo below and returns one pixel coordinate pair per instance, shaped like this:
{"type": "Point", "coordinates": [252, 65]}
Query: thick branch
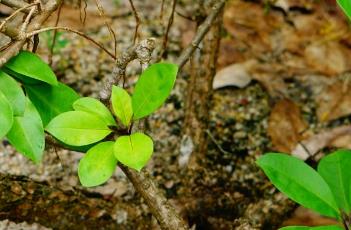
{"type": "Point", "coordinates": [162, 210]}
{"type": "Point", "coordinates": [202, 31]}
{"type": "Point", "coordinates": [35, 24]}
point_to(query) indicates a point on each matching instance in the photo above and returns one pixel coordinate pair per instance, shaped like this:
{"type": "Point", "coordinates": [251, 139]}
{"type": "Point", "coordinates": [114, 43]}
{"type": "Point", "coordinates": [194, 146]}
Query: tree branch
{"type": "Point", "coordinates": [35, 24]}
{"type": "Point", "coordinates": [202, 31]}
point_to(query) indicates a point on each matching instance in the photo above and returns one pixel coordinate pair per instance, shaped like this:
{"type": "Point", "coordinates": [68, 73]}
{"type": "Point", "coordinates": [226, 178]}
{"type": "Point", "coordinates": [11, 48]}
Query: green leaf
{"type": "Point", "coordinates": [31, 65]}
{"type": "Point", "coordinates": [299, 182]}
{"type": "Point", "coordinates": [78, 128]}
{"type": "Point", "coordinates": [51, 101]}
{"type": "Point", "coordinates": [345, 5]}
{"type": "Point", "coordinates": [134, 151]}
{"type": "Point", "coordinates": [94, 106]}
{"type": "Point", "coordinates": [122, 105]}
{"type": "Point", "coordinates": [153, 88]}
{"type": "Point", "coordinates": [6, 115]}
{"type": "Point", "coordinates": [328, 227]}
{"type": "Point", "coordinates": [13, 92]}
{"type": "Point", "coordinates": [98, 165]}
{"type": "Point", "coordinates": [27, 134]}
{"type": "Point", "coordinates": [335, 170]}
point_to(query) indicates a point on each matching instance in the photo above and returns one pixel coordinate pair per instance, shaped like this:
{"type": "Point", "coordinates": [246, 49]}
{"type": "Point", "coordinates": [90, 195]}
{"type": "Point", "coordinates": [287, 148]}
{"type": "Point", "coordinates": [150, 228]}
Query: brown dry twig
{"type": "Point", "coordinates": [202, 31]}
{"type": "Point", "coordinates": [137, 21]}
{"type": "Point", "coordinates": [112, 32]}
{"type": "Point", "coordinates": [28, 35]}
{"type": "Point", "coordinates": [169, 25]}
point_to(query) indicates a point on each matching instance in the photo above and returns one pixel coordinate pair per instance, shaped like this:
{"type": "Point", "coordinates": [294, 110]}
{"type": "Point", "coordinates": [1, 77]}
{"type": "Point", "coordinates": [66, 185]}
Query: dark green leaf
{"type": "Point", "coordinates": [134, 151]}
{"type": "Point", "coordinates": [122, 105]}
{"type": "Point", "coordinates": [31, 65]}
{"type": "Point", "coordinates": [299, 182]}
{"type": "Point", "coordinates": [345, 5]}
{"type": "Point", "coordinates": [98, 165]}
{"type": "Point", "coordinates": [51, 101]}
{"type": "Point", "coordinates": [153, 88]}
{"type": "Point", "coordinates": [13, 92]}
{"type": "Point", "coordinates": [92, 105]}
{"type": "Point", "coordinates": [335, 169]}
{"type": "Point", "coordinates": [329, 227]}
{"type": "Point", "coordinates": [78, 128]}
{"type": "Point", "coordinates": [27, 134]}
{"type": "Point", "coordinates": [6, 115]}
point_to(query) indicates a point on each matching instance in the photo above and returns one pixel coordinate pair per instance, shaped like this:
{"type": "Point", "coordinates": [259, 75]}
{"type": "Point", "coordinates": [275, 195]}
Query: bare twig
{"type": "Point", "coordinates": [35, 24]}
{"type": "Point", "coordinates": [162, 9]}
{"type": "Point", "coordinates": [73, 31]}
{"type": "Point", "coordinates": [137, 21]}
{"type": "Point", "coordinates": [28, 18]}
{"type": "Point", "coordinates": [112, 32]}
{"type": "Point", "coordinates": [202, 31]}
{"type": "Point", "coordinates": [55, 34]}
{"type": "Point", "coordinates": [169, 25]}
{"type": "Point", "coordinates": [15, 13]}
{"type": "Point", "coordinates": [84, 17]}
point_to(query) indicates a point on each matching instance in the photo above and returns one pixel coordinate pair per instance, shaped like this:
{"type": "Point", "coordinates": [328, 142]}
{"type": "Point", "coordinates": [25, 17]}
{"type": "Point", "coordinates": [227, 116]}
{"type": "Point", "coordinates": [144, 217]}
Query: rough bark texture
{"type": "Point", "coordinates": [159, 206]}
{"type": "Point", "coordinates": [199, 92]}
{"type": "Point", "coordinates": [22, 199]}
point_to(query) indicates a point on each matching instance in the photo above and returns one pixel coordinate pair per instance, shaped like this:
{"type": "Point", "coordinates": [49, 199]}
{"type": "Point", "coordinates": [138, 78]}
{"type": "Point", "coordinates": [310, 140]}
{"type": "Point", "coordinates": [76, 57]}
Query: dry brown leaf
{"type": "Point", "coordinates": [328, 58]}
{"type": "Point", "coordinates": [314, 144]}
{"type": "Point", "coordinates": [285, 126]}
{"type": "Point", "coordinates": [234, 75]}
{"type": "Point", "coordinates": [305, 217]}
{"type": "Point", "coordinates": [334, 101]}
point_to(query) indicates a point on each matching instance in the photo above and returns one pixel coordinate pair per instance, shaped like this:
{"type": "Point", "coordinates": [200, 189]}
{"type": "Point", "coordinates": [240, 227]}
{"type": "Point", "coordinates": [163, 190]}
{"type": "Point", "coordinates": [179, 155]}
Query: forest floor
{"type": "Point", "coordinates": [284, 80]}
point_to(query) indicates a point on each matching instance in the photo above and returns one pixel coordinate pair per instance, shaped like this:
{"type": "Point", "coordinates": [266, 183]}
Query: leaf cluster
{"type": "Point", "coordinates": [326, 191]}
{"type": "Point", "coordinates": [33, 101]}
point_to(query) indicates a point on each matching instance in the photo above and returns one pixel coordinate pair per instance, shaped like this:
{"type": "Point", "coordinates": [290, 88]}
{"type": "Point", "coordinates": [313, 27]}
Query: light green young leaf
{"type": "Point", "coordinates": [98, 165]}
{"type": "Point", "coordinates": [51, 101]}
{"type": "Point", "coordinates": [328, 227]}
{"type": "Point", "coordinates": [27, 134]}
{"type": "Point", "coordinates": [134, 151]}
{"type": "Point", "coordinates": [153, 88]}
{"type": "Point", "coordinates": [31, 65]}
{"type": "Point", "coordinates": [6, 115]}
{"type": "Point", "coordinates": [78, 128]}
{"type": "Point", "coordinates": [335, 170]}
{"type": "Point", "coordinates": [122, 105]}
{"type": "Point", "coordinates": [94, 106]}
{"type": "Point", "coordinates": [345, 5]}
{"type": "Point", "coordinates": [13, 92]}
{"type": "Point", "coordinates": [299, 182]}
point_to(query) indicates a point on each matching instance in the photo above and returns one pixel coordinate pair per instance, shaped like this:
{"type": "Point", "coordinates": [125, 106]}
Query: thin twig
{"type": "Point", "coordinates": [162, 9]}
{"type": "Point", "coordinates": [137, 21]}
{"type": "Point", "coordinates": [15, 13]}
{"type": "Point", "coordinates": [55, 34]}
{"type": "Point", "coordinates": [83, 19]}
{"type": "Point", "coordinates": [28, 35]}
{"type": "Point", "coordinates": [28, 18]}
{"type": "Point", "coordinates": [169, 25]}
{"type": "Point", "coordinates": [112, 32]}
{"type": "Point", "coordinates": [202, 31]}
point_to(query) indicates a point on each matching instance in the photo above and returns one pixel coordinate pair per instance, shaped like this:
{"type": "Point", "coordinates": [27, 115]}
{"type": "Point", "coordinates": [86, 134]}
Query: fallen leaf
{"type": "Point", "coordinates": [314, 144]}
{"type": "Point", "coordinates": [285, 126]}
{"type": "Point", "coordinates": [234, 75]}
{"type": "Point", "coordinates": [334, 101]}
